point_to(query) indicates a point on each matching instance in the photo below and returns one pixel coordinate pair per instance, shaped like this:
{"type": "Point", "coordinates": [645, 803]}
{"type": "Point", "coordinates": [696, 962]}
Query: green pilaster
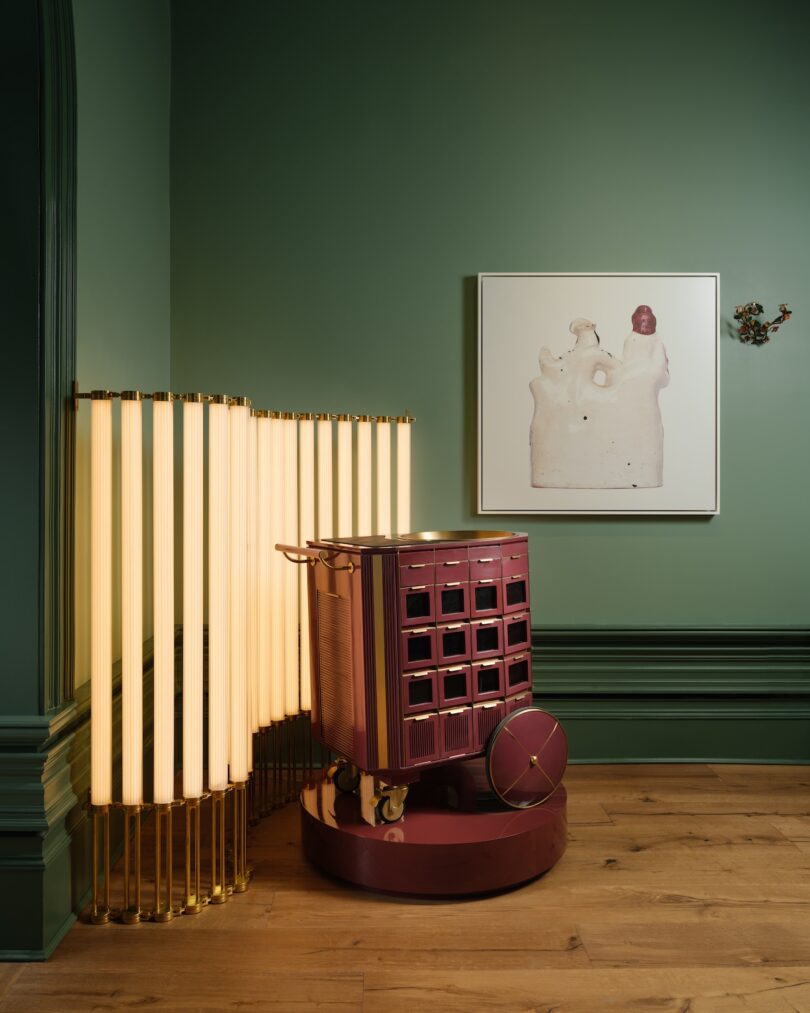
{"type": "Point", "coordinates": [37, 716]}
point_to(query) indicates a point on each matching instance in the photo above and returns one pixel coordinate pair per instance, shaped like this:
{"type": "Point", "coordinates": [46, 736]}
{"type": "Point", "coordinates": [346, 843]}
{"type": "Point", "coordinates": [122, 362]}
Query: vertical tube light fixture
{"type": "Point", "coordinates": [265, 554]}
{"type": "Point", "coordinates": [344, 462]}
{"type": "Point", "coordinates": [325, 488]}
{"type": "Point", "coordinates": [131, 598]}
{"type": "Point", "coordinates": [101, 597]}
{"type": "Point", "coordinates": [163, 596]}
{"type": "Point", "coordinates": [383, 526]}
{"type": "Point", "coordinates": [278, 566]}
{"type": "Point", "coordinates": [364, 493]}
{"type": "Point", "coordinates": [306, 532]}
{"type": "Point", "coordinates": [252, 573]}
{"type": "Point", "coordinates": [218, 576]}
{"type": "Point", "coordinates": [239, 417]}
{"type": "Point", "coordinates": [192, 596]}
{"type": "Point", "coordinates": [404, 474]}
{"type": "Point", "coordinates": [290, 495]}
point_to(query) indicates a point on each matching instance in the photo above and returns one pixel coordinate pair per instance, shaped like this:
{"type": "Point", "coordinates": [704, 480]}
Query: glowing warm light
{"type": "Point", "coordinates": [290, 498]}
{"type": "Point", "coordinates": [237, 525]}
{"type": "Point", "coordinates": [192, 597]}
{"type": "Point", "coordinates": [403, 475]}
{"type": "Point", "coordinates": [344, 463]}
{"type": "Point", "coordinates": [364, 475]}
{"type": "Point", "coordinates": [265, 554]}
{"type": "Point", "coordinates": [218, 576]}
{"type": "Point", "coordinates": [101, 598]}
{"type": "Point", "coordinates": [278, 572]}
{"type": "Point", "coordinates": [131, 599]}
{"type": "Point", "coordinates": [383, 525]}
{"type": "Point", "coordinates": [253, 582]}
{"type": "Point", "coordinates": [163, 597]}
{"type": "Point", "coordinates": [325, 488]}
{"type": "Point", "coordinates": [306, 532]}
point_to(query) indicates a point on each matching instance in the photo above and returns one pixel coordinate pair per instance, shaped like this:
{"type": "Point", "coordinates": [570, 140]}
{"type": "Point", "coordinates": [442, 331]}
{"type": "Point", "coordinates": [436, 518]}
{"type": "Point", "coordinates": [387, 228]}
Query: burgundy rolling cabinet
{"type": "Point", "coordinates": [420, 647]}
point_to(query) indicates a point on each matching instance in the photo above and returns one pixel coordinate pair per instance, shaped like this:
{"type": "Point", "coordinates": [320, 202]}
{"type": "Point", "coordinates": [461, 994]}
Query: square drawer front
{"type": "Point", "coordinates": [515, 559]}
{"type": "Point", "coordinates": [453, 643]}
{"type": "Point", "coordinates": [487, 680]}
{"type": "Point", "coordinates": [487, 638]}
{"type": "Point", "coordinates": [421, 738]}
{"type": "Point", "coordinates": [415, 572]}
{"type": "Point", "coordinates": [486, 716]}
{"type": "Point", "coordinates": [417, 605]}
{"type": "Point", "coordinates": [485, 598]}
{"type": "Point", "coordinates": [516, 703]}
{"type": "Point", "coordinates": [517, 633]}
{"type": "Point", "coordinates": [451, 564]}
{"type": "Point", "coordinates": [418, 648]}
{"type": "Point", "coordinates": [419, 692]}
{"type": "Point", "coordinates": [518, 672]}
{"type": "Point", "coordinates": [516, 593]}
{"type": "Point", "coordinates": [456, 732]}
{"type": "Point", "coordinates": [455, 686]}
{"type": "Point", "coordinates": [488, 564]}
{"type": "Point", "coordinates": [452, 601]}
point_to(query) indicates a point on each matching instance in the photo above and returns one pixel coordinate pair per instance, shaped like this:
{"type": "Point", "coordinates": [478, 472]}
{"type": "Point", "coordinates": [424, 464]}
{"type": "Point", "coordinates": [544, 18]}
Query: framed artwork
{"type": "Point", "coordinates": [598, 393]}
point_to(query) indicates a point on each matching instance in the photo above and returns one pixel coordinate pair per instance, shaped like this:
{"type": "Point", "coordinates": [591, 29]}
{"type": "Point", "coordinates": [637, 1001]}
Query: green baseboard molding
{"type": "Point", "coordinates": [677, 695]}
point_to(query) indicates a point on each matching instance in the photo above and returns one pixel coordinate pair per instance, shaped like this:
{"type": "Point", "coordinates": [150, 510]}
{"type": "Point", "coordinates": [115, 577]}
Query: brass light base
{"type": "Point", "coordinates": [194, 901]}
{"type": "Point", "coordinates": [131, 913]}
{"type": "Point", "coordinates": [219, 892]}
{"type": "Point", "coordinates": [100, 913]}
{"type": "Point", "coordinates": [240, 873]}
{"type": "Point", "coordinates": [163, 911]}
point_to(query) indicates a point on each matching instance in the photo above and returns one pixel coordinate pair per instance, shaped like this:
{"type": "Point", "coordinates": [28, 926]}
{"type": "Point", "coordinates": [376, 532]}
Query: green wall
{"type": "Point", "coordinates": [123, 56]}
{"type": "Point", "coordinates": [341, 171]}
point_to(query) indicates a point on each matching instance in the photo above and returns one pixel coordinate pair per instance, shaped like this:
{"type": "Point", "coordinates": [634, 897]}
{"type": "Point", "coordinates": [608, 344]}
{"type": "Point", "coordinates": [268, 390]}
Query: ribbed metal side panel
{"type": "Point", "coordinates": [456, 732]}
{"type": "Point", "coordinates": [422, 739]}
{"type": "Point", "coordinates": [335, 671]}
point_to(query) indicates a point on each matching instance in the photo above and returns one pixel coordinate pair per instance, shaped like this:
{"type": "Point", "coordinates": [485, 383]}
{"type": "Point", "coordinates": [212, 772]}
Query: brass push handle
{"type": "Point", "coordinates": [311, 556]}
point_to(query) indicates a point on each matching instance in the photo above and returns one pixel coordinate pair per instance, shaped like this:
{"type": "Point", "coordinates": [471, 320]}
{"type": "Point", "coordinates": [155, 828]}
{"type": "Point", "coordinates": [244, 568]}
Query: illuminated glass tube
{"type": "Point", "coordinates": [218, 578]}
{"type": "Point", "coordinates": [239, 417]}
{"type": "Point", "coordinates": [278, 566]}
{"type": "Point", "coordinates": [325, 488]}
{"type": "Point", "coordinates": [344, 463]}
{"type": "Point", "coordinates": [163, 595]}
{"type": "Point", "coordinates": [290, 498]}
{"type": "Point", "coordinates": [101, 597]}
{"type": "Point", "coordinates": [404, 474]}
{"type": "Point", "coordinates": [131, 598]}
{"type": "Point", "coordinates": [306, 532]}
{"type": "Point", "coordinates": [264, 553]}
{"type": "Point", "coordinates": [364, 494]}
{"type": "Point", "coordinates": [192, 596]}
{"type": "Point", "coordinates": [383, 525]}
{"type": "Point", "coordinates": [253, 577]}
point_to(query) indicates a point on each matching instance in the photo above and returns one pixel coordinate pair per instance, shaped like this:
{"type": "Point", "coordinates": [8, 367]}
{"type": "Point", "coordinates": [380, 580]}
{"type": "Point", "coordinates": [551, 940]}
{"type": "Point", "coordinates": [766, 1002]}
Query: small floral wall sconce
{"type": "Point", "coordinates": [754, 331]}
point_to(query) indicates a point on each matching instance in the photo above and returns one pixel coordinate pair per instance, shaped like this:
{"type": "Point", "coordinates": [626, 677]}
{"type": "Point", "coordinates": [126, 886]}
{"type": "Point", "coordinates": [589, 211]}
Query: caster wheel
{"type": "Point", "coordinates": [389, 811]}
{"type": "Point", "coordinates": [346, 778]}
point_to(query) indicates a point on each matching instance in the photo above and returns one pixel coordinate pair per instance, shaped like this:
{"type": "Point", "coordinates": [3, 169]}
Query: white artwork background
{"type": "Point", "coordinates": [522, 313]}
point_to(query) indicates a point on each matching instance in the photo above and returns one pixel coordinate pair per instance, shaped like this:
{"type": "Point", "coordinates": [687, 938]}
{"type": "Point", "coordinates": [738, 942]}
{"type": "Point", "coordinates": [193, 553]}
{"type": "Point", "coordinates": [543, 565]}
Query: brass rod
{"type": "Point", "coordinates": [100, 912]}
{"type": "Point", "coordinates": [132, 828]}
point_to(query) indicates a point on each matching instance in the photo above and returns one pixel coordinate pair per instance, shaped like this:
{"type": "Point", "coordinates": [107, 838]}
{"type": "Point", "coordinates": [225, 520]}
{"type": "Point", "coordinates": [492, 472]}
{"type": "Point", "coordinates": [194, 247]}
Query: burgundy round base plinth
{"type": "Point", "coordinates": [435, 849]}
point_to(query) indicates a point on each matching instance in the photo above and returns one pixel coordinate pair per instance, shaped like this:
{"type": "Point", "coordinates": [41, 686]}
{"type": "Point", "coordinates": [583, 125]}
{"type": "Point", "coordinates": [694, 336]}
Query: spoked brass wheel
{"type": "Point", "coordinates": [526, 757]}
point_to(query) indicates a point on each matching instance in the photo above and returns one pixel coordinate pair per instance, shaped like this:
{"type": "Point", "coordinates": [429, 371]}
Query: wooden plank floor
{"type": "Point", "coordinates": [685, 889]}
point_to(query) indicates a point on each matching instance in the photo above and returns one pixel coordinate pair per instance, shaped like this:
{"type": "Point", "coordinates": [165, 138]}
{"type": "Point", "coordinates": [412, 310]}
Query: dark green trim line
{"type": "Point", "coordinates": [677, 695]}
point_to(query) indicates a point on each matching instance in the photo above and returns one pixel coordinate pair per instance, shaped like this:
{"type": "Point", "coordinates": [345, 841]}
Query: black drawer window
{"type": "Point", "coordinates": [417, 605]}
{"type": "Point", "coordinates": [486, 598]}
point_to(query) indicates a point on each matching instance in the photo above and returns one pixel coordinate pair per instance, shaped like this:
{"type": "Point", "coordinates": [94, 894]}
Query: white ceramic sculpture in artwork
{"type": "Point", "coordinates": [597, 421]}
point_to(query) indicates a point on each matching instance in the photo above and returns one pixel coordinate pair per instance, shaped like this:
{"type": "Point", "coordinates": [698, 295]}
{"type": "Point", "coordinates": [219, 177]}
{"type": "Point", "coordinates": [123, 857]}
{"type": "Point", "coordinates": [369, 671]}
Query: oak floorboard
{"type": "Point", "coordinates": [196, 987]}
{"type": "Point", "coordinates": [645, 990]}
{"type": "Point", "coordinates": [8, 973]}
{"type": "Point", "coordinates": [645, 945]}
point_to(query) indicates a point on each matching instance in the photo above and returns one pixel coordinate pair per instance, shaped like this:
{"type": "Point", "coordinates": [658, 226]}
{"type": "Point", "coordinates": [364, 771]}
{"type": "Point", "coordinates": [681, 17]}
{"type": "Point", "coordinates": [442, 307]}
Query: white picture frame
{"type": "Point", "coordinates": [598, 393]}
